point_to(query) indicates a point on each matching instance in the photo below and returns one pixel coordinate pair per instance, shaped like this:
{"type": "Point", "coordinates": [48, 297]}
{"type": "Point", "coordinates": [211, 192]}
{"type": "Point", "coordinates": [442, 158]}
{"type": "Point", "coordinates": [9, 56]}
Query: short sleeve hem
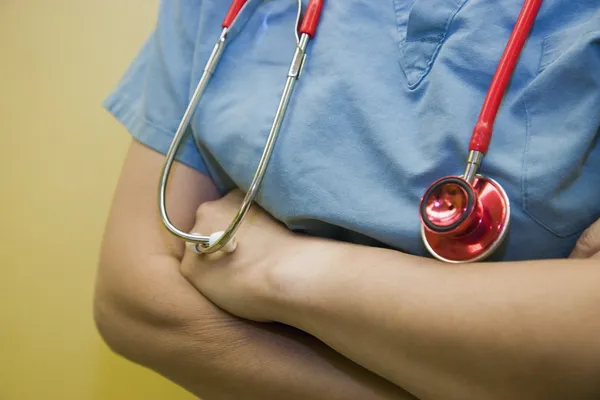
{"type": "Point", "coordinates": [129, 114]}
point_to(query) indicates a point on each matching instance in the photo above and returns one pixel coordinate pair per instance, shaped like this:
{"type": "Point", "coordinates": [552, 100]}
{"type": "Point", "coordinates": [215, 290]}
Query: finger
{"type": "Point", "coordinates": [210, 218]}
{"type": "Point", "coordinates": [588, 244]}
{"type": "Point", "coordinates": [236, 195]}
{"type": "Point", "coordinates": [195, 266]}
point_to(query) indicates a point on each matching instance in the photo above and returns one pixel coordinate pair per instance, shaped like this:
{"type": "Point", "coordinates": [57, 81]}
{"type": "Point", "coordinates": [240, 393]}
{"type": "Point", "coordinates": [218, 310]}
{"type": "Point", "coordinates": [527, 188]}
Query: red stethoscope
{"type": "Point", "coordinates": [466, 218]}
{"type": "Point", "coordinates": [463, 218]}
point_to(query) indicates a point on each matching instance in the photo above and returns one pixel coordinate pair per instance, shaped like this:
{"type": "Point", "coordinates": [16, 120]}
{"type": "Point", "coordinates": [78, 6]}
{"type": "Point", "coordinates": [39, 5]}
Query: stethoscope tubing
{"type": "Point", "coordinates": [478, 146]}
{"type": "Point", "coordinates": [225, 240]}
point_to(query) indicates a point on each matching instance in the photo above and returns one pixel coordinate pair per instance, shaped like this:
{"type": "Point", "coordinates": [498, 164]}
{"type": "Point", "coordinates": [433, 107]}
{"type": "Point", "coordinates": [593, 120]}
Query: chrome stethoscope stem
{"type": "Point", "coordinates": [212, 63]}
{"type": "Point", "coordinates": [293, 75]}
{"type": "Point", "coordinates": [255, 185]}
{"type": "Point", "coordinates": [210, 244]}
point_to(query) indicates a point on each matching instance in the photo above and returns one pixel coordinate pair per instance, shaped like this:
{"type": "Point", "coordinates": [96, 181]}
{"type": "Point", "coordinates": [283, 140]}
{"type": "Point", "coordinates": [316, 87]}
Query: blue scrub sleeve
{"type": "Point", "coordinates": [152, 95]}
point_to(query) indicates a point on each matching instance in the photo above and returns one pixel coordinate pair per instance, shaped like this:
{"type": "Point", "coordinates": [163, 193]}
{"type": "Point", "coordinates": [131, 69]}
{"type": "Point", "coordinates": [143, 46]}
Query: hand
{"type": "Point", "coordinates": [239, 282]}
{"type": "Point", "coordinates": [588, 245]}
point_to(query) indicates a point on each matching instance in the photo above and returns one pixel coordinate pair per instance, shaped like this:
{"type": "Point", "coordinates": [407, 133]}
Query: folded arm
{"type": "Point", "coordinates": [508, 330]}
{"type": "Point", "coordinates": [520, 330]}
{"type": "Point", "coordinates": [147, 312]}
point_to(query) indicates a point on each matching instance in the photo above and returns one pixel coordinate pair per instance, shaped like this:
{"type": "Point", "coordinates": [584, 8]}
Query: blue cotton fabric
{"type": "Point", "coordinates": [386, 105]}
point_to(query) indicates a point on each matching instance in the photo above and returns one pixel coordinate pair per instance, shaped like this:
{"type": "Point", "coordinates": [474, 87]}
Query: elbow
{"type": "Point", "coordinates": [161, 336]}
{"type": "Point", "coordinates": [146, 319]}
{"type": "Point", "coordinates": [130, 328]}
{"type": "Point", "coordinates": [111, 324]}
{"type": "Point", "coordinates": [116, 325]}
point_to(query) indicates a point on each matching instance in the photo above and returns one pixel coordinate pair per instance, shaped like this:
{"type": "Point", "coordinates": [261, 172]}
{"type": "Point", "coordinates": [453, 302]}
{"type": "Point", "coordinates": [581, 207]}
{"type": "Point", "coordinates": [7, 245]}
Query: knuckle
{"type": "Point", "coordinates": [204, 210]}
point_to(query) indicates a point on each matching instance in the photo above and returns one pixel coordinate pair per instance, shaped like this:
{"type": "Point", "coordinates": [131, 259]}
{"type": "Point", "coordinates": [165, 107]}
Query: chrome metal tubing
{"type": "Point", "coordinates": [212, 63]}
{"type": "Point", "coordinates": [293, 74]}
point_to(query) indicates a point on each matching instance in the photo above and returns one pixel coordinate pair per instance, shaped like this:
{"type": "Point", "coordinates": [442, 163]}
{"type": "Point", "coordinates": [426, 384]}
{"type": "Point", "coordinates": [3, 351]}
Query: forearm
{"type": "Point", "coordinates": [217, 356]}
{"type": "Point", "coordinates": [523, 330]}
{"type": "Point", "coordinates": [149, 313]}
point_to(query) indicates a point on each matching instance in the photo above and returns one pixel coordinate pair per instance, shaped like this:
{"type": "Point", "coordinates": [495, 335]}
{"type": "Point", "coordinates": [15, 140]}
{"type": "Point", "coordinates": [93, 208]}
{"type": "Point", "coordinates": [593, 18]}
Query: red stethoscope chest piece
{"type": "Point", "coordinates": [462, 222]}
{"type": "Point", "coordinates": [465, 219]}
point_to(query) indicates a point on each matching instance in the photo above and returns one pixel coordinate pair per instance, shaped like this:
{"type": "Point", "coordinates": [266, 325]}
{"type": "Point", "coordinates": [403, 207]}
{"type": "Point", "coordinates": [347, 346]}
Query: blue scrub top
{"type": "Point", "coordinates": [385, 106]}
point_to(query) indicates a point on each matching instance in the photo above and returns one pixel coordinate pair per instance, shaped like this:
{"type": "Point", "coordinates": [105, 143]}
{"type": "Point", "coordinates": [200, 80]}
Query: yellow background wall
{"type": "Point", "coordinates": [60, 155]}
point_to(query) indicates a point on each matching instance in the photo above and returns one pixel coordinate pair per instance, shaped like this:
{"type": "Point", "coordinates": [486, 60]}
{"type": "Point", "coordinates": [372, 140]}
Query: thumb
{"type": "Point", "coordinates": [588, 244]}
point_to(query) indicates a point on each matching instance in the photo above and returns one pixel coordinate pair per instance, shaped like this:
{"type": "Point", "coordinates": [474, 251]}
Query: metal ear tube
{"type": "Point", "coordinates": [225, 240]}
{"type": "Point", "coordinates": [463, 218]}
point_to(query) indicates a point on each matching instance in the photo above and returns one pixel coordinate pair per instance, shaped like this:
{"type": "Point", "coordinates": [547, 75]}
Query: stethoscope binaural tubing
{"type": "Point", "coordinates": [235, 17]}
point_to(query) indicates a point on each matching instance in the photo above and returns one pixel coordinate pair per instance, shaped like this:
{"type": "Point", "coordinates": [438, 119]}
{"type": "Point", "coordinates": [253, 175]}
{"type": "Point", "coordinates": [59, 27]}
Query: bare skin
{"type": "Point", "coordinates": [149, 313]}
{"type": "Point", "coordinates": [507, 330]}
